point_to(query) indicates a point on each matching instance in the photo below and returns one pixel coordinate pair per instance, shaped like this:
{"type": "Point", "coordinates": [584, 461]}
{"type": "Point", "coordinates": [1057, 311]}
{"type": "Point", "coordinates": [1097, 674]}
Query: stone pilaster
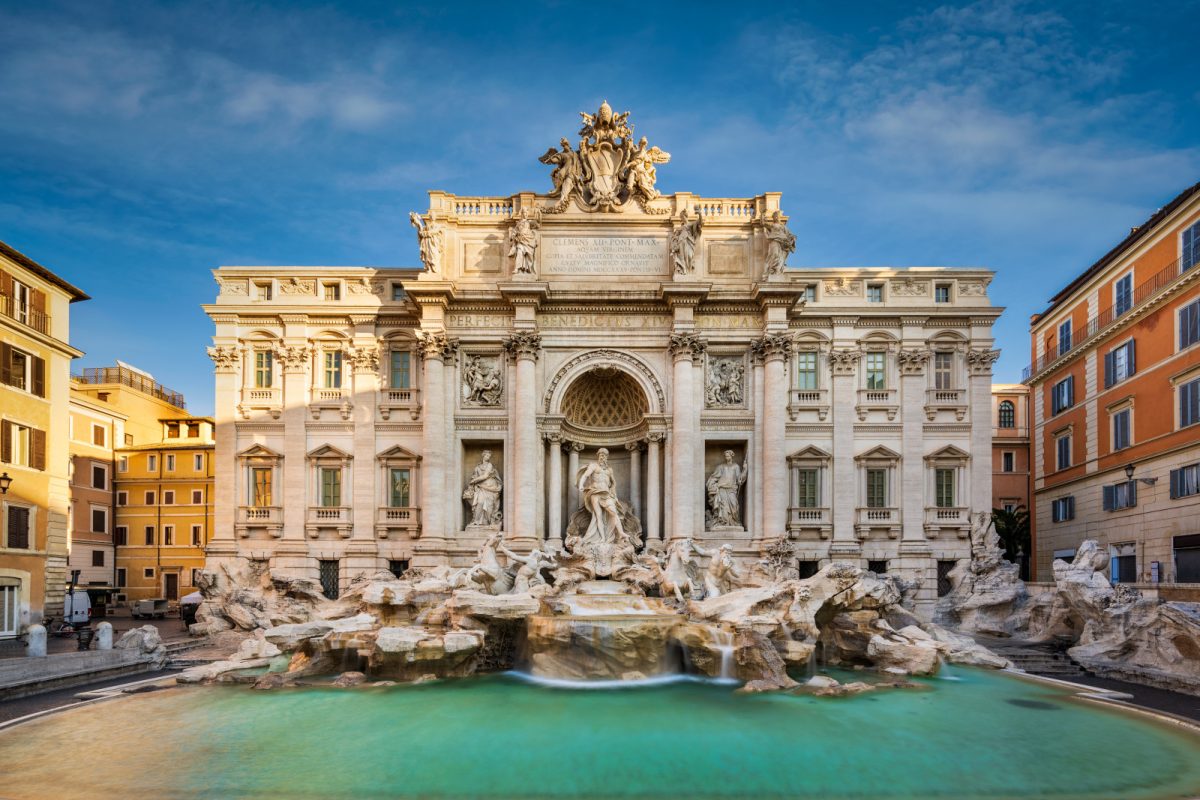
{"type": "Point", "coordinates": [554, 513]}
{"type": "Point", "coordinates": [774, 350]}
{"type": "Point", "coordinates": [364, 362]}
{"type": "Point", "coordinates": [653, 487]}
{"type": "Point", "coordinates": [226, 497]}
{"type": "Point", "coordinates": [293, 488]}
{"type": "Point", "coordinates": [912, 365]}
{"type": "Point", "coordinates": [435, 350]}
{"type": "Point", "coordinates": [843, 366]}
{"type": "Point", "coordinates": [523, 347]}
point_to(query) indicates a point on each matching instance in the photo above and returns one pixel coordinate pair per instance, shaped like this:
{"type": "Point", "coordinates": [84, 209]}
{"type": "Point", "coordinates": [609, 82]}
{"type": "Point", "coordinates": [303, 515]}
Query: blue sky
{"type": "Point", "coordinates": [143, 144]}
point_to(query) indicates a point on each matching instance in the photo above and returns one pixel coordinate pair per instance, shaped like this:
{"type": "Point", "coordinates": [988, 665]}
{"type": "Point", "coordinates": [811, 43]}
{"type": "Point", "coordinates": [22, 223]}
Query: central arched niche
{"type": "Point", "coordinates": [606, 403]}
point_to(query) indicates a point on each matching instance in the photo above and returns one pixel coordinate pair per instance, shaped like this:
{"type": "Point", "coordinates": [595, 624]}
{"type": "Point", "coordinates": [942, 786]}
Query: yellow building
{"type": "Point", "coordinates": [164, 510]}
{"type": "Point", "coordinates": [94, 428]}
{"type": "Point", "coordinates": [35, 377]}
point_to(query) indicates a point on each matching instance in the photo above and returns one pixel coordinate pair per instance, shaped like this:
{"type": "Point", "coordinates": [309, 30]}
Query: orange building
{"type": "Point", "coordinates": [1010, 446]}
{"type": "Point", "coordinates": [1115, 396]}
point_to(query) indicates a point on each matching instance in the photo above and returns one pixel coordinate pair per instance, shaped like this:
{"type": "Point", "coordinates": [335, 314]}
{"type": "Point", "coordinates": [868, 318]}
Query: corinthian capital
{"type": "Point", "coordinates": [771, 346]}
{"type": "Point", "coordinates": [293, 359]}
{"type": "Point", "coordinates": [979, 362]}
{"type": "Point", "coordinates": [224, 358]}
{"type": "Point", "coordinates": [912, 362]}
{"type": "Point", "coordinates": [437, 346]}
{"type": "Point", "coordinates": [844, 361]}
{"type": "Point", "coordinates": [365, 359]}
{"type": "Point", "coordinates": [687, 344]}
{"type": "Point", "coordinates": [523, 344]}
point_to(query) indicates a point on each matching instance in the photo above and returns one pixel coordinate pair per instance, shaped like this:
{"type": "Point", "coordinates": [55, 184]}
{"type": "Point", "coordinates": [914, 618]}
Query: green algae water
{"type": "Point", "coordinates": [977, 735]}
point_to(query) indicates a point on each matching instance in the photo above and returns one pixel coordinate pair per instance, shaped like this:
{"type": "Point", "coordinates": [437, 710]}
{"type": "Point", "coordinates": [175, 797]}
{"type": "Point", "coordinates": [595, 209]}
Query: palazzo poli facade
{"type": "Point", "coordinates": [375, 419]}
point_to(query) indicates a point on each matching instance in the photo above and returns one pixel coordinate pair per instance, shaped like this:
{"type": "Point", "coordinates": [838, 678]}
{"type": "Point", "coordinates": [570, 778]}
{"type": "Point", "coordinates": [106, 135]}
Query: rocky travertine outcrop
{"type": "Point", "coordinates": [146, 642]}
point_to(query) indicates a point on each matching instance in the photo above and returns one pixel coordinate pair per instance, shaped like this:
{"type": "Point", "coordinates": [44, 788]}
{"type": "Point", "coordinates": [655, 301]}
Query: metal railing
{"type": "Point", "coordinates": [134, 380]}
{"type": "Point", "coordinates": [25, 314]}
{"type": "Point", "coordinates": [1097, 325]}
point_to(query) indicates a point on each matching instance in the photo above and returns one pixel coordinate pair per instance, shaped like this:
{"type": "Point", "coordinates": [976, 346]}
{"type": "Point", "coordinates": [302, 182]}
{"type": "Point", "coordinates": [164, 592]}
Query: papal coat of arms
{"type": "Point", "coordinates": [608, 169]}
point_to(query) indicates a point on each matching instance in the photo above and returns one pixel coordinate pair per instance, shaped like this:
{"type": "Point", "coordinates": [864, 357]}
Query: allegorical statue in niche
{"type": "Point", "coordinates": [780, 242]}
{"type": "Point", "coordinates": [483, 493]}
{"type": "Point", "coordinates": [598, 489]}
{"type": "Point", "coordinates": [522, 242]}
{"type": "Point", "coordinates": [481, 382]}
{"type": "Point", "coordinates": [723, 487]}
{"type": "Point", "coordinates": [724, 386]}
{"type": "Point", "coordinates": [684, 240]}
{"type": "Point", "coordinates": [430, 239]}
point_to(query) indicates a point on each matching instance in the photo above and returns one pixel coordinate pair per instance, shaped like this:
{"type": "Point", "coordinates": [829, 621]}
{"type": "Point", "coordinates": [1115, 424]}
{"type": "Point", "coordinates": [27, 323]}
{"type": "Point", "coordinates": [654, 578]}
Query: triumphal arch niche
{"type": "Point", "coordinates": [660, 360]}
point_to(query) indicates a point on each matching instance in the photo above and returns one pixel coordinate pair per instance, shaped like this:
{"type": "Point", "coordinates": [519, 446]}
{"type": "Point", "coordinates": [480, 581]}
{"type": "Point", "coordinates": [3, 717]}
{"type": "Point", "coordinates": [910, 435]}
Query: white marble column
{"type": "Point", "coordinates": [775, 350]}
{"type": "Point", "coordinates": [683, 436]}
{"type": "Point", "coordinates": [554, 501]}
{"type": "Point", "coordinates": [226, 495]}
{"type": "Point", "coordinates": [524, 346]}
{"type": "Point", "coordinates": [653, 488]}
{"type": "Point", "coordinates": [635, 477]}
{"type": "Point", "coordinates": [436, 349]}
{"type": "Point", "coordinates": [573, 451]}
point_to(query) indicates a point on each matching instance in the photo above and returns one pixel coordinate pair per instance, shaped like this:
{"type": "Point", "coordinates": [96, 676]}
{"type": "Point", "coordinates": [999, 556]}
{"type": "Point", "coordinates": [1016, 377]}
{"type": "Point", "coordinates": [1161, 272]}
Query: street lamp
{"type": "Point", "coordinates": [5, 482]}
{"type": "Point", "coordinates": [1129, 477]}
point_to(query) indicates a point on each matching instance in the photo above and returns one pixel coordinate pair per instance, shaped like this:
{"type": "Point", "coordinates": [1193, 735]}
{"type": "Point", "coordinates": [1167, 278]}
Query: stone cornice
{"type": "Point", "coordinates": [684, 294]}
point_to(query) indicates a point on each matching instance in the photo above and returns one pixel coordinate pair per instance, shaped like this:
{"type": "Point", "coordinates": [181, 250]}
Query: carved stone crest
{"type": "Point", "coordinates": [725, 384]}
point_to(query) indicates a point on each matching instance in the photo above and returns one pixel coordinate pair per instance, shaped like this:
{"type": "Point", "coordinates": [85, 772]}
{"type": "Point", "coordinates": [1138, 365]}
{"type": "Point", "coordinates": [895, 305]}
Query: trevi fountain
{"type": "Point", "coordinates": [501, 624]}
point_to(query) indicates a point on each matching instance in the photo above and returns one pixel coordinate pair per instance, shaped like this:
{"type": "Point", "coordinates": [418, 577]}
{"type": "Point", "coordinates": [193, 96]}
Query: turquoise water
{"type": "Point", "coordinates": [500, 737]}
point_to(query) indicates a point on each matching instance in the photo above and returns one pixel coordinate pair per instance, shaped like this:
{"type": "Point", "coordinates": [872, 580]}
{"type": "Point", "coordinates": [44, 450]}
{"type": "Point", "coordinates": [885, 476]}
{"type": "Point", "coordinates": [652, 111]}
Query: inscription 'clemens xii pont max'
{"type": "Point", "coordinates": [603, 255]}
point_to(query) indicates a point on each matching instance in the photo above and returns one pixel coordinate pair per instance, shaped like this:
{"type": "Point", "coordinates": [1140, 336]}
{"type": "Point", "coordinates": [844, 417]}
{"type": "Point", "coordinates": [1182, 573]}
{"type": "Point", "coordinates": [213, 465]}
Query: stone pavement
{"type": "Point", "coordinates": [170, 629]}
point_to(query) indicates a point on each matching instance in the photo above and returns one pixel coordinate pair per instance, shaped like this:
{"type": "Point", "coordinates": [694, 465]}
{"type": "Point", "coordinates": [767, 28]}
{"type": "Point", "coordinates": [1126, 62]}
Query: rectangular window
{"type": "Point", "coordinates": [198, 462]}
{"type": "Point", "coordinates": [1062, 395]}
{"type": "Point", "coordinates": [170, 463]}
{"type": "Point", "coordinates": [22, 445]}
{"type": "Point", "coordinates": [18, 527]}
{"type": "Point", "coordinates": [150, 498]}
{"type": "Point", "coordinates": [1189, 403]}
{"type": "Point", "coordinates": [398, 293]}
{"type": "Point", "coordinates": [195, 536]}
{"type": "Point", "coordinates": [120, 536]}
{"type": "Point", "coordinates": [193, 430]}
{"type": "Point", "coordinates": [260, 487]}
{"type": "Point", "coordinates": [172, 430]}
{"type": "Point", "coordinates": [168, 498]}
{"type": "Point", "coordinates": [22, 370]}
{"type": "Point", "coordinates": [1121, 429]}
{"type": "Point", "coordinates": [197, 497]}
{"type": "Point", "coordinates": [99, 520]}
{"type": "Point", "coordinates": [331, 487]}
{"type": "Point", "coordinates": [810, 293]}
{"type": "Point", "coordinates": [121, 579]}
{"type": "Point", "coordinates": [122, 498]}
{"type": "Point", "coordinates": [1185, 481]}
{"type": "Point", "coordinates": [810, 493]}
{"type": "Point", "coordinates": [123, 464]}
{"type": "Point", "coordinates": [1119, 364]}
{"type": "Point", "coordinates": [99, 435]}
{"type": "Point", "coordinates": [1189, 324]}
{"type": "Point", "coordinates": [97, 558]}
{"type": "Point", "coordinates": [264, 368]}
{"type": "Point", "coordinates": [876, 371]}
{"type": "Point", "coordinates": [1062, 447]}
{"type": "Point", "coordinates": [262, 291]}
{"type": "Point", "coordinates": [1064, 337]}
{"type": "Point", "coordinates": [401, 493]}
{"type": "Point", "coordinates": [333, 369]}
{"type": "Point", "coordinates": [943, 481]}
{"type": "Point", "coordinates": [168, 534]}
{"type": "Point", "coordinates": [877, 488]}
{"type": "Point", "coordinates": [149, 534]}
{"type": "Point", "coordinates": [148, 572]}
{"type": "Point", "coordinates": [941, 293]}
{"type": "Point", "coordinates": [1062, 509]}
{"type": "Point", "coordinates": [328, 573]}
{"type": "Point", "coordinates": [99, 477]}
{"type": "Point", "coordinates": [874, 292]}
{"type": "Point", "coordinates": [152, 463]}
{"type": "Point", "coordinates": [1008, 461]}
{"type": "Point", "coordinates": [943, 370]}
{"type": "Point", "coordinates": [400, 374]}
{"type": "Point", "coordinates": [1120, 495]}
{"type": "Point", "coordinates": [1190, 247]}
{"type": "Point", "coordinates": [332, 291]}
{"type": "Point", "coordinates": [129, 440]}
{"type": "Point", "coordinates": [1123, 294]}
{"type": "Point", "coordinates": [806, 370]}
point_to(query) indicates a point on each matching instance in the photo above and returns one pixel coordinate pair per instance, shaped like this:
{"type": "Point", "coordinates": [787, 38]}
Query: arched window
{"type": "Point", "coordinates": [1008, 414]}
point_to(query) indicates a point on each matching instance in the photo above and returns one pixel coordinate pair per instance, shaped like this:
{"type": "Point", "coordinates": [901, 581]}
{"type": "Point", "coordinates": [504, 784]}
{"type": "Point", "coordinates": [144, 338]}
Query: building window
{"type": "Point", "coordinates": [331, 487]}
{"type": "Point", "coordinates": [806, 370]}
{"type": "Point", "coordinates": [1185, 481]}
{"type": "Point", "coordinates": [172, 430]}
{"type": "Point", "coordinates": [97, 558]}
{"type": "Point", "coordinates": [169, 498]}
{"type": "Point", "coordinates": [264, 368]}
{"type": "Point", "coordinates": [1062, 509]}
{"type": "Point", "coordinates": [1187, 558]}
{"type": "Point", "coordinates": [149, 534]}
{"type": "Point", "coordinates": [168, 534]}
{"type": "Point", "coordinates": [1120, 495]}
{"type": "Point", "coordinates": [874, 292]}
{"type": "Point", "coordinates": [401, 491]}
{"type": "Point", "coordinates": [877, 485]}
{"type": "Point", "coordinates": [99, 435]}
{"type": "Point", "coordinates": [328, 572]}
{"type": "Point", "coordinates": [22, 445]}
{"type": "Point", "coordinates": [262, 291]}
{"type": "Point", "coordinates": [260, 487]}
{"type": "Point", "coordinates": [195, 536]}
{"type": "Point", "coordinates": [810, 293]}
{"type": "Point", "coordinates": [1123, 294]}
{"type": "Point", "coordinates": [170, 462]}
{"type": "Point", "coordinates": [1121, 437]}
{"type": "Point", "coordinates": [148, 572]}
{"type": "Point", "coordinates": [943, 482]}
{"type": "Point", "coordinates": [876, 371]}
{"type": "Point", "coordinates": [1119, 364]}
{"type": "Point", "coordinates": [150, 498]}
{"type": "Point", "coordinates": [1123, 563]}
{"type": "Point", "coordinates": [123, 464]}
{"type": "Point", "coordinates": [1189, 324]}
{"type": "Point", "coordinates": [197, 497]}
{"type": "Point", "coordinates": [198, 462]}
{"type": "Point", "coordinates": [22, 370]}
{"type": "Point", "coordinates": [121, 580]}
{"type": "Point", "coordinates": [333, 369]}
{"type": "Point", "coordinates": [1062, 448]}
{"type": "Point", "coordinates": [1189, 403]}
{"type": "Point", "coordinates": [398, 567]}
{"type": "Point", "coordinates": [1007, 414]}
{"type": "Point", "coordinates": [332, 291]}
{"type": "Point", "coordinates": [943, 370]}
{"type": "Point", "coordinates": [120, 536]}
{"type": "Point", "coordinates": [1190, 247]}
{"type": "Point", "coordinates": [1062, 395]}
{"type": "Point", "coordinates": [400, 374]}
{"type": "Point", "coordinates": [99, 520]}
{"type": "Point", "coordinates": [193, 430]}
{"type": "Point", "coordinates": [1008, 461]}
{"type": "Point", "coordinates": [129, 440]}
{"type": "Point", "coordinates": [810, 488]}
{"type": "Point", "coordinates": [18, 527]}
{"type": "Point", "coordinates": [1064, 337]}
{"type": "Point", "coordinates": [879, 567]}
{"type": "Point", "coordinates": [99, 477]}
{"type": "Point", "coordinates": [398, 293]}
{"type": "Point", "coordinates": [122, 498]}
{"type": "Point", "coordinates": [152, 463]}
{"type": "Point", "coordinates": [941, 293]}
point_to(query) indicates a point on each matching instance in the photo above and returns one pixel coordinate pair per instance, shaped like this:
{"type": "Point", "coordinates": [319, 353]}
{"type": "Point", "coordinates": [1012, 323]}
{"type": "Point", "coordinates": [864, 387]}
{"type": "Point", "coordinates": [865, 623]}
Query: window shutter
{"type": "Point", "coordinates": [39, 376]}
{"type": "Point", "coordinates": [18, 527]}
{"type": "Point", "coordinates": [1176, 479]}
{"type": "Point", "coordinates": [1071, 507]}
{"type": "Point", "coordinates": [6, 441]}
{"type": "Point", "coordinates": [6, 363]}
{"type": "Point", "coordinates": [6, 287]}
{"type": "Point", "coordinates": [1070, 391]}
{"type": "Point", "coordinates": [1108, 369]}
{"type": "Point", "coordinates": [37, 300]}
{"type": "Point", "coordinates": [1109, 491]}
{"type": "Point", "coordinates": [37, 448]}
{"type": "Point", "coordinates": [1132, 494]}
{"type": "Point", "coordinates": [1132, 367]}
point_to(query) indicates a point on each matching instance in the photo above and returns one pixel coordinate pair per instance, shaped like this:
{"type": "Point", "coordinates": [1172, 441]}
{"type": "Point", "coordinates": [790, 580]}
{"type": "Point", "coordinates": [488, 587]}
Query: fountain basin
{"type": "Point", "coordinates": [601, 646]}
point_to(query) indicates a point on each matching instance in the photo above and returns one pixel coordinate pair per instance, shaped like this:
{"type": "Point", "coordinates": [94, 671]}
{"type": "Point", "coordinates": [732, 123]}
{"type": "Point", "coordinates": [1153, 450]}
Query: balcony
{"type": "Point", "coordinates": [877, 400]}
{"type": "Point", "coordinates": [877, 519]}
{"type": "Point", "coordinates": [810, 520]}
{"type": "Point", "coordinates": [25, 314]}
{"type": "Point", "coordinates": [948, 520]}
{"type": "Point", "coordinates": [808, 400]}
{"type": "Point", "coordinates": [393, 521]}
{"type": "Point", "coordinates": [336, 518]}
{"type": "Point", "coordinates": [328, 395]}
{"type": "Point", "coordinates": [269, 518]}
{"type": "Point", "coordinates": [403, 400]}
{"type": "Point", "coordinates": [945, 400]}
{"type": "Point", "coordinates": [269, 399]}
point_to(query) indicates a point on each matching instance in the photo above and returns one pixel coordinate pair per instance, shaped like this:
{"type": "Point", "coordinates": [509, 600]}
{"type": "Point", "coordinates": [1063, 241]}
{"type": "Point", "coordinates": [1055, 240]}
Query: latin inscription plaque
{"type": "Point", "coordinates": [603, 255]}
